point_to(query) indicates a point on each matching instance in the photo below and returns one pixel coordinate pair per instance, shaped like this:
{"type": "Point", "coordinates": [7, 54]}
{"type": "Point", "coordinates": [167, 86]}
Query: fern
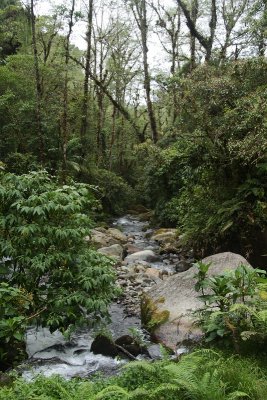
{"type": "Point", "coordinates": [166, 391]}
{"type": "Point", "coordinates": [140, 394]}
{"type": "Point", "coordinates": [112, 393]}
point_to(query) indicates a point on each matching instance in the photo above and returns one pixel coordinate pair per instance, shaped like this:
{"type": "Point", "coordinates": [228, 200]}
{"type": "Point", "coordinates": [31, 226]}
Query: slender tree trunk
{"type": "Point", "coordinates": [212, 25]}
{"type": "Point", "coordinates": [100, 102]}
{"type": "Point", "coordinates": [113, 136]}
{"type": "Point", "coordinates": [100, 118]}
{"type": "Point", "coordinates": [84, 119]}
{"type": "Point", "coordinates": [194, 14]}
{"type": "Point", "coordinates": [262, 33]}
{"type": "Point", "coordinates": [38, 88]}
{"type": "Point", "coordinates": [140, 14]}
{"type": "Point", "coordinates": [65, 127]}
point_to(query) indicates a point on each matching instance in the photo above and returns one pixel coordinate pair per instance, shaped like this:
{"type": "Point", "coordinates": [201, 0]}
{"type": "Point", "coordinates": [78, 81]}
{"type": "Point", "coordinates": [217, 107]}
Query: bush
{"type": "Point", "coordinates": [115, 194]}
{"type": "Point", "coordinates": [44, 253]}
{"type": "Point", "coordinates": [235, 305]}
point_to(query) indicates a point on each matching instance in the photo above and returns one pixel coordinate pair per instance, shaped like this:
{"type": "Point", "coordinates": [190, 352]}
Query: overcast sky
{"type": "Point", "coordinates": [156, 53]}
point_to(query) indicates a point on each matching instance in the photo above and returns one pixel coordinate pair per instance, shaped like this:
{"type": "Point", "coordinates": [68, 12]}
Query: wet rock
{"type": "Point", "coordinates": [183, 265]}
{"type": "Point", "coordinates": [124, 340]}
{"type": "Point", "coordinates": [130, 345]}
{"type": "Point", "coordinates": [131, 249]}
{"type": "Point", "coordinates": [155, 351]}
{"type": "Point", "coordinates": [139, 268]}
{"type": "Point", "coordinates": [117, 235]}
{"type": "Point", "coordinates": [144, 255]}
{"type": "Point", "coordinates": [80, 351]}
{"type": "Point", "coordinates": [169, 248]}
{"type": "Point", "coordinates": [165, 235]}
{"type": "Point", "coordinates": [105, 346]}
{"type": "Point", "coordinates": [115, 251]}
{"type": "Point", "coordinates": [152, 272]}
{"type": "Point", "coordinates": [100, 239]}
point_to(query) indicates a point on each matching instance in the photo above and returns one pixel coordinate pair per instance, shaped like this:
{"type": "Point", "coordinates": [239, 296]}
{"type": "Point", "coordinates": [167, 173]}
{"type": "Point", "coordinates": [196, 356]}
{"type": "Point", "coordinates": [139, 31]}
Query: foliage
{"type": "Point", "coordinates": [116, 195]}
{"type": "Point", "coordinates": [44, 253]}
{"type": "Point", "coordinates": [151, 316]}
{"type": "Point", "coordinates": [13, 28]}
{"type": "Point", "coordinates": [209, 177]}
{"type": "Point", "coordinates": [14, 306]}
{"type": "Point", "coordinates": [202, 375]}
{"type": "Point", "coordinates": [234, 304]}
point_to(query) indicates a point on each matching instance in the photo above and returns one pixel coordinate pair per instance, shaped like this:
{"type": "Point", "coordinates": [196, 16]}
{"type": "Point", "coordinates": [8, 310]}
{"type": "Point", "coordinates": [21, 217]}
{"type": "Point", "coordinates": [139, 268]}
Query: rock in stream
{"type": "Point", "coordinates": [53, 354]}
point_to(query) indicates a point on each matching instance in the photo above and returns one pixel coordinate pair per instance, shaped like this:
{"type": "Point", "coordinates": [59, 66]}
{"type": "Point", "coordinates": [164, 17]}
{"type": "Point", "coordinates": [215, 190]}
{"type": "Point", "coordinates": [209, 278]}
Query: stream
{"type": "Point", "coordinates": [52, 354]}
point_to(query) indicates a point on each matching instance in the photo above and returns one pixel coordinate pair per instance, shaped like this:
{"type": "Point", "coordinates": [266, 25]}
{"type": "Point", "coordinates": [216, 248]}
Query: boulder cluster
{"type": "Point", "coordinates": [161, 271]}
{"type": "Point", "coordinates": [135, 271]}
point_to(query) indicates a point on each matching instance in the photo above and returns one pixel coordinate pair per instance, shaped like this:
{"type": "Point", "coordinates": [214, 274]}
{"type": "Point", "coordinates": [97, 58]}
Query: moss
{"type": "Point", "coordinates": [151, 316]}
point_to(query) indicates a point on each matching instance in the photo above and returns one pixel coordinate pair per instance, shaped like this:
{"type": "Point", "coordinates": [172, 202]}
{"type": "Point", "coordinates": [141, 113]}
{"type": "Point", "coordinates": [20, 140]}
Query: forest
{"type": "Point", "coordinates": [164, 107]}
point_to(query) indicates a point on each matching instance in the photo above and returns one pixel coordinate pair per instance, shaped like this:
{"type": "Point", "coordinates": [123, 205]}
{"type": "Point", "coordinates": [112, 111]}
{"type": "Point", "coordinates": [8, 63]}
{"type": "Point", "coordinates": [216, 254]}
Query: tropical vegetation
{"type": "Point", "coordinates": [86, 134]}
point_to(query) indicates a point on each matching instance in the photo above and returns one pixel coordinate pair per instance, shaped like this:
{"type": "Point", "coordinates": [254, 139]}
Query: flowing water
{"type": "Point", "coordinates": [140, 233]}
{"type": "Point", "coordinates": [53, 354]}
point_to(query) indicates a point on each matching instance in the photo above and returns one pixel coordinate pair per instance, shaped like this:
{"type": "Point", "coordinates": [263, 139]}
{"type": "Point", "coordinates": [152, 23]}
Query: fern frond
{"type": "Point", "coordinates": [140, 394]}
{"type": "Point", "coordinates": [139, 366]}
{"type": "Point", "coordinates": [166, 391]}
{"type": "Point", "coordinates": [237, 395]}
{"type": "Point", "coordinates": [112, 393]}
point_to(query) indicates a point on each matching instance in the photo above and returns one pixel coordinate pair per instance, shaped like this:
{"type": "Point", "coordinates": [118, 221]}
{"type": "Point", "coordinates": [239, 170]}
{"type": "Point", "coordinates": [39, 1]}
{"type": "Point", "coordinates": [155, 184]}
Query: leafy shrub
{"type": "Point", "coordinates": [14, 306]}
{"type": "Point", "coordinates": [19, 163]}
{"type": "Point", "coordinates": [43, 226]}
{"type": "Point", "coordinates": [115, 194]}
{"type": "Point", "coordinates": [235, 304]}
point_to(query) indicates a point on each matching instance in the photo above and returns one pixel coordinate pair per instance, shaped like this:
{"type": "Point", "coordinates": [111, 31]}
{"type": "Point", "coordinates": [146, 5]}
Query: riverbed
{"type": "Point", "coordinates": [53, 354]}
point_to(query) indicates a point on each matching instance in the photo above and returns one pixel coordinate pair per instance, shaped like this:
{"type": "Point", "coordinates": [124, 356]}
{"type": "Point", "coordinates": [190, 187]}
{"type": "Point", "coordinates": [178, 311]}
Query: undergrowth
{"type": "Point", "coordinates": [201, 375]}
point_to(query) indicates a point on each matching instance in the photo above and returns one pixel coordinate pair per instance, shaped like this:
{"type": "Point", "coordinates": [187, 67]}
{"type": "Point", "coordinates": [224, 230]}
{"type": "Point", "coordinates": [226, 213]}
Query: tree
{"type": "Point", "coordinates": [139, 9]}
{"type": "Point", "coordinates": [205, 41]}
{"type": "Point", "coordinates": [38, 87]}
{"type": "Point", "coordinates": [14, 28]}
{"type": "Point", "coordinates": [169, 23]}
{"type": "Point", "coordinates": [257, 20]}
{"type": "Point", "coordinates": [87, 66]}
{"type": "Point", "coordinates": [64, 122]}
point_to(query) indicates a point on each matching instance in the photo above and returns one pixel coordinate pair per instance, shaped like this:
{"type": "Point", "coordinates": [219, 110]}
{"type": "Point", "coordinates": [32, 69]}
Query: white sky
{"type": "Point", "coordinates": [156, 53]}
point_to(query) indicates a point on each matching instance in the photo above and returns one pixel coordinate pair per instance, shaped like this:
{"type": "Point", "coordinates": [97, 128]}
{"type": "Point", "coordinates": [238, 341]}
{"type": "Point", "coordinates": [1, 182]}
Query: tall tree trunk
{"type": "Point", "coordinates": [113, 136]}
{"type": "Point", "coordinates": [194, 15]}
{"type": "Point", "coordinates": [212, 25]}
{"type": "Point", "coordinates": [140, 14]}
{"type": "Point", "coordinates": [65, 127]}
{"type": "Point", "coordinates": [84, 118]}
{"type": "Point", "coordinates": [38, 88]}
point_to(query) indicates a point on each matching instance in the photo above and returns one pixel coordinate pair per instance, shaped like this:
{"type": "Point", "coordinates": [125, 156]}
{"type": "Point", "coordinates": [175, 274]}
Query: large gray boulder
{"type": "Point", "coordinates": [117, 235]}
{"type": "Point", "coordinates": [181, 298]}
{"type": "Point", "coordinates": [144, 255]}
{"type": "Point", "coordinates": [115, 251]}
